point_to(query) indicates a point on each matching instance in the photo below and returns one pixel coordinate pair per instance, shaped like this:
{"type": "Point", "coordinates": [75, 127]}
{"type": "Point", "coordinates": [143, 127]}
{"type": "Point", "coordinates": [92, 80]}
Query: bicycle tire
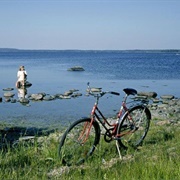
{"type": "Point", "coordinates": [134, 125]}
{"type": "Point", "coordinates": [75, 147]}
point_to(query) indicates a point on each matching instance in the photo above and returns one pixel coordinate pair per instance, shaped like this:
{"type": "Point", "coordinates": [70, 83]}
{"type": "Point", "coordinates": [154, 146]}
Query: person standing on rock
{"type": "Point", "coordinates": [22, 77]}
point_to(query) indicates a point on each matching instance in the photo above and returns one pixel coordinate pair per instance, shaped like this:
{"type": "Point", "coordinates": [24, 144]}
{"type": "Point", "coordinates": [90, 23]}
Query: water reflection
{"type": "Point", "coordinates": [22, 95]}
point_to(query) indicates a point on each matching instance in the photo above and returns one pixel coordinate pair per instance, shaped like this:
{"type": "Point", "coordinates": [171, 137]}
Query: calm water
{"type": "Point", "coordinates": [111, 70]}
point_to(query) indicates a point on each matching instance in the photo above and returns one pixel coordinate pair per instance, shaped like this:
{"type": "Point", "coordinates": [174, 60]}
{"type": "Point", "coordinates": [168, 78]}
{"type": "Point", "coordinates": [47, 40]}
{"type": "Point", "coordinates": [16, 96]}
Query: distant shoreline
{"type": "Point", "coordinates": [79, 50]}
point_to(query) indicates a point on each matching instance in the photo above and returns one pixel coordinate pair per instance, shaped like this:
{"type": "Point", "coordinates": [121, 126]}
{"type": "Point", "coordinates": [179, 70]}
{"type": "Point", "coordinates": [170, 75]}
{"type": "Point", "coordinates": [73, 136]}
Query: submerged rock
{"type": "Point", "coordinates": [167, 97]}
{"type": "Point", "coordinates": [49, 98]}
{"type": "Point", "coordinates": [8, 89]}
{"type": "Point", "coordinates": [13, 100]}
{"type": "Point", "coordinates": [76, 95]}
{"type": "Point", "coordinates": [68, 93]}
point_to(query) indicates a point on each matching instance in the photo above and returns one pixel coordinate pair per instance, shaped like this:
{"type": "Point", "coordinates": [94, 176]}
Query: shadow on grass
{"type": "Point", "coordinates": [10, 135]}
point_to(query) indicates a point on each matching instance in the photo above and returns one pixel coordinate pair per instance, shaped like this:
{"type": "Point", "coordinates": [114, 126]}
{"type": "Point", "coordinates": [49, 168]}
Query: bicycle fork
{"type": "Point", "coordinates": [87, 127]}
{"type": "Point", "coordinates": [85, 132]}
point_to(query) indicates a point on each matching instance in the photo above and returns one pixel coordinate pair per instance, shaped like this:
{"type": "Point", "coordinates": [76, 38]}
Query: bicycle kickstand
{"type": "Point", "coordinates": [119, 152]}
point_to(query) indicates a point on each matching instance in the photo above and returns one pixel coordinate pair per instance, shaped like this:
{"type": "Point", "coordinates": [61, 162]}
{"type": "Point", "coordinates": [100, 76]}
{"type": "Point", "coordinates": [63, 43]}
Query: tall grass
{"type": "Point", "coordinates": [157, 159]}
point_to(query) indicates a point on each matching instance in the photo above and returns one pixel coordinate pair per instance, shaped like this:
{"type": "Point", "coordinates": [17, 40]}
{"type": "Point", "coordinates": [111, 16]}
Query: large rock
{"type": "Point", "coordinates": [76, 68]}
{"type": "Point", "coordinates": [148, 94]}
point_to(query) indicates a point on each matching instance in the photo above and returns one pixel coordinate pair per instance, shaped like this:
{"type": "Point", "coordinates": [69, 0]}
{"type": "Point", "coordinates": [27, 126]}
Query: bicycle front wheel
{"type": "Point", "coordinates": [134, 126]}
{"type": "Point", "coordinates": [79, 142]}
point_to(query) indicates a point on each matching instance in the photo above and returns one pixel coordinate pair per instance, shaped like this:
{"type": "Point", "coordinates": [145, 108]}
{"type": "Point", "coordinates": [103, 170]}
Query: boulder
{"type": "Point", "coordinates": [64, 97]}
{"type": "Point", "coordinates": [76, 95]}
{"type": "Point", "coordinates": [8, 89]}
{"type": "Point", "coordinates": [37, 97]}
{"type": "Point", "coordinates": [49, 98]}
{"type": "Point", "coordinates": [24, 100]}
{"type": "Point", "coordinates": [167, 97]}
{"type": "Point", "coordinates": [8, 94]}
{"type": "Point", "coordinates": [155, 100]}
{"type": "Point", "coordinates": [76, 68]}
{"type": "Point", "coordinates": [67, 93]}
{"type": "Point", "coordinates": [148, 94]}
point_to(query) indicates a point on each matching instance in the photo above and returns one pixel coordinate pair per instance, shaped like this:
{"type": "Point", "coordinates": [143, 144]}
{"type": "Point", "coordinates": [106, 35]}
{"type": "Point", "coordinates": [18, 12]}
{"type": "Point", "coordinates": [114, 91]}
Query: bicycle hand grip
{"type": "Point", "coordinates": [115, 93]}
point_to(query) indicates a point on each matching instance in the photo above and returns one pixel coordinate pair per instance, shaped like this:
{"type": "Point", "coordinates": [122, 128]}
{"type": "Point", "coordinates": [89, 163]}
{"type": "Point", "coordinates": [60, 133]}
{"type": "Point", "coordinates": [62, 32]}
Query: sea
{"type": "Point", "coordinates": [143, 70]}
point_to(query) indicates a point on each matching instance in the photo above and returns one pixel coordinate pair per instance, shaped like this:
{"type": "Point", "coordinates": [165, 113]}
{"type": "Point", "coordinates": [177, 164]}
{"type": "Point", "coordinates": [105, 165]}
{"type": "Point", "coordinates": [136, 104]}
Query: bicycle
{"type": "Point", "coordinates": [81, 138]}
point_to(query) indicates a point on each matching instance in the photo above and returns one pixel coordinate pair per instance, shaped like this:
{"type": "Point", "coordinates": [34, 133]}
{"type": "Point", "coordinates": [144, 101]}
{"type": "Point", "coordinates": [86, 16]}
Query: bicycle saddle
{"type": "Point", "coordinates": [130, 91]}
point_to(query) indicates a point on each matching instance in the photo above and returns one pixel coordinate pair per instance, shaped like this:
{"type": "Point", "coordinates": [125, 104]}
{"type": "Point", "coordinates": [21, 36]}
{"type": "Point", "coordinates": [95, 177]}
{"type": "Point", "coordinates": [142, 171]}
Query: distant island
{"type": "Point", "coordinates": [76, 50]}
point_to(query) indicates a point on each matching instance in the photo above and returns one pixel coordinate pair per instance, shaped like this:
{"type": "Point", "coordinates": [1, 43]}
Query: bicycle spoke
{"type": "Point", "coordinates": [134, 127]}
{"type": "Point", "coordinates": [78, 143]}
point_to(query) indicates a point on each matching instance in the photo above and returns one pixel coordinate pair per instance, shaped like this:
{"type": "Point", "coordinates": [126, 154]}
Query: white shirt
{"type": "Point", "coordinates": [20, 75]}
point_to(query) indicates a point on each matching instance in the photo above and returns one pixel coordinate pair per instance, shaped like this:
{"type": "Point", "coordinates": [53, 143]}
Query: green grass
{"type": "Point", "coordinates": [157, 159]}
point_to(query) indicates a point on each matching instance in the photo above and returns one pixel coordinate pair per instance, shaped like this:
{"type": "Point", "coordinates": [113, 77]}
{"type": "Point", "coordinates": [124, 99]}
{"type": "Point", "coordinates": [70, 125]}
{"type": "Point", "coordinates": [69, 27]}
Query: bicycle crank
{"type": "Point", "coordinates": [108, 136]}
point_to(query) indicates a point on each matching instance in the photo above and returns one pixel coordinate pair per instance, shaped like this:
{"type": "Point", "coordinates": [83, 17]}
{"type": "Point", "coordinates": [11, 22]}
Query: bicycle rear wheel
{"type": "Point", "coordinates": [134, 127]}
{"type": "Point", "coordinates": [79, 142]}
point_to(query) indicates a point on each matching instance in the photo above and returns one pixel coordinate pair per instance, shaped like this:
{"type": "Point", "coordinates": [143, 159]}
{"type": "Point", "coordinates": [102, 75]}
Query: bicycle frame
{"type": "Point", "coordinates": [97, 115]}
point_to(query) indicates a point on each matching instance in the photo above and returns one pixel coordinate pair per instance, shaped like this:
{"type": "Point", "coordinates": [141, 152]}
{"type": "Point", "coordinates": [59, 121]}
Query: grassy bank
{"type": "Point", "coordinates": [37, 158]}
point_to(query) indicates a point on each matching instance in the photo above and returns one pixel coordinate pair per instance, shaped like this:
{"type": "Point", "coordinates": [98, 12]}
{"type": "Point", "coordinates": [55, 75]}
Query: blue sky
{"type": "Point", "coordinates": [90, 24]}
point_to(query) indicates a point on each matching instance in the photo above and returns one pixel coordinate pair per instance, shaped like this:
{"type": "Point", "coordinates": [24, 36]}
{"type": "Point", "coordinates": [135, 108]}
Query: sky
{"type": "Point", "coordinates": [90, 24]}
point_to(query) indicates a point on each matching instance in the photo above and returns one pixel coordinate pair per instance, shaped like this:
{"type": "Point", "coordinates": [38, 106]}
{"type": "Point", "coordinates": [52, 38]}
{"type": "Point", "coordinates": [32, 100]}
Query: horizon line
{"type": "Point", "coordinates": [19, 49]}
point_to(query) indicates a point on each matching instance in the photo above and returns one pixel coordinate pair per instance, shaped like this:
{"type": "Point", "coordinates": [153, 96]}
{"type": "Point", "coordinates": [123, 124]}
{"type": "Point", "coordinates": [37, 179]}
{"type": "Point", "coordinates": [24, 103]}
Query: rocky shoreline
{"type": "Point", "coordinates": [165, 111]}
{"type": "Point", "coordinates": [41, 96]}
{"type": "Point", "coordinates": [163, 107]}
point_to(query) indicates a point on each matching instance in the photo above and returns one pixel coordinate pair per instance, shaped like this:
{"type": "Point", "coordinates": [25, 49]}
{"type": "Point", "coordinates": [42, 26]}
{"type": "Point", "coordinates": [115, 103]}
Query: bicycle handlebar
{"type": "Point", "coordinates": [100, 94]}
{"type": "Point", "coordinates": [96, 92]}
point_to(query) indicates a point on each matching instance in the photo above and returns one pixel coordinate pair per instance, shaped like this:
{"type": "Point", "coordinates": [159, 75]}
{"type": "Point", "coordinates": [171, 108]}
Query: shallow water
{"type": "Point", "coordinates": [110, 71]}
{"type": "Point", "coordinates": [61, 112]}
